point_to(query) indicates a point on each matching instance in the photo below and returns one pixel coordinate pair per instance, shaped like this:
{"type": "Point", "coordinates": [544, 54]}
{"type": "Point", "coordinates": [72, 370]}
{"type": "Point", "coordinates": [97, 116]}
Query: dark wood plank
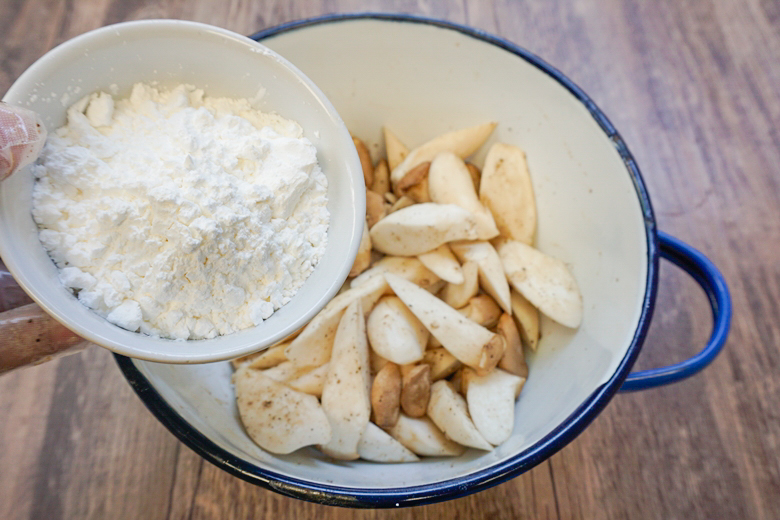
{"type": "Point", "coordinates": [692, 86]}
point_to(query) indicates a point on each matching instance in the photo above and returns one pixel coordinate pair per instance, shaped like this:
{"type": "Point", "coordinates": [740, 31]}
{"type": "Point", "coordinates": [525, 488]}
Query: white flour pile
{"type": "Point", "coordinates": [180, 215]}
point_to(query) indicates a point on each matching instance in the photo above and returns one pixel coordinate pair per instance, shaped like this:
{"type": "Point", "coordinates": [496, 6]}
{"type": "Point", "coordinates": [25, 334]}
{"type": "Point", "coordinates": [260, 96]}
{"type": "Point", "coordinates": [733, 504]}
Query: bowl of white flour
{"type": "Point", "coordinates": [198, 197]}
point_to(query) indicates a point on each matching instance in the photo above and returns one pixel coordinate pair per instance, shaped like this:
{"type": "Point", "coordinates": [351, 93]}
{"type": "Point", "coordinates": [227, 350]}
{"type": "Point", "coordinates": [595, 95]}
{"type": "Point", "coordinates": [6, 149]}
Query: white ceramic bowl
{"type": "Point", "coordinates": [223, 64]}
{"type": "Point", "coordinates": [421, 78]}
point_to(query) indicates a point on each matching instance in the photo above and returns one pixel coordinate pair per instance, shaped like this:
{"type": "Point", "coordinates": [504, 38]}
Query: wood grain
{"type": "Point", "coordinates": [693, 88]}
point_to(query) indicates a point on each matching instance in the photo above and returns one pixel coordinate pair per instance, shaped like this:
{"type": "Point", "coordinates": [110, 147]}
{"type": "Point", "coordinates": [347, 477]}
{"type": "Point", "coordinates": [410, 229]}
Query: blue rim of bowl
{"type": "Point", "coordinates": [489, 476]}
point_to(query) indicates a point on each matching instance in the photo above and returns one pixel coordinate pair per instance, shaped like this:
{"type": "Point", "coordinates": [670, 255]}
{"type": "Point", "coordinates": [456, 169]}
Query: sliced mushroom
{"type": "Point", "coordinates": [381, 184]}
{"type": "Point", "coordinates": [363, 258]}
{"type": "Point", "coordinates": [468, 341]}
{"type": "Point", "coordinates": [407, 267]}
{"type": "Point", "coordinates": [416, 390]}
{"type": "Point", "coordinates": [443, 262]}
{"type": "Point", "coordinates": [491, 403]}
{"type": "Point", "coordinates": [278, 418]}
{"type": "Point", "coordinates": [483, 310]}
{"type": "Point", "coordinates": [396, 150]}
{"type": "Point", "coordinates": [458, 295]}
{"type": "Point", "coordinates": [461, 142]}
{"type": "Point", "coordinates": [545, 281]}
{"type": "Point", "coordinates": [346, 394]}
{"type": "Point", "coordinates": [527, 318]}
{"type": "Point", "coordinates": [313, 345]}
{"type": "Point", "coordinates": [506, 189]}
{"type": "Point", "coordinates": [376, 208]}
{"type": "Point", "coordinates": [422, 437]}
{"type": "Point", "coordinates": [378, 446]}
{"type": "Point", "coordinates": [310, 381]}
{"type": "Point", "coordinates": [421, 228]}
{"type": "Point", "coordinates": [442, 363]}
{"type": "Point", "coordinates": [395, 333]}
{"type": "Point", "coordinates": [448, 410]}
{"type": "Point", "coordinates": [386, 395]}
{"type": "Point", "coordinates": [492, 278]}
{"type": "Point", "coordinates": [449, 182]}
{"type": "Point", "coordinates": [365, 161]}
{"type": "Point", "coordinates": [513, 360]}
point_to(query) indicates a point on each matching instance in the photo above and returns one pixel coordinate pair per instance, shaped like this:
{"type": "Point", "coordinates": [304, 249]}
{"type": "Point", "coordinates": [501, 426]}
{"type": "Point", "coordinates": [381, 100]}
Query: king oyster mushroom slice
{"type": "Point", "coordinates": [395, 333]}
{"type": "Point", "coordinates": [310, 381]}
{"type": "Point", "coordinates": [422, 437]}
{"type": "Point", "coordinates": [513, 360]}
{"type": "Point", "coordinates": [443, 263]}
{"type": "Point", "coordinates": [491, 402]}
{"type": "Point", "coordinates": [312, 347]}
{"type": "Point", "coordinates": [421, 228]}
{"type": "Point", "coordinates": [408, 267]}
{"type": "Point", "coordinates": [462, 142]}
{"type": "Point", "coordinates": [449, 411]}
{"type": "Point", "coordinates": [378, 446]}
{"type": "Point", "coordinates": [278, 418]}
{"type": "Point", "coordinates": [545, 281]}
{"type": "Point", "coordinates": [506, 189]}
{"type": "Point", "coordinates": [396, 151]}
{"type": "Point", "coordinates": [449, 182]}
{"type": "Point", "coordinates": [346, 394]}
{"type": "Point", "coordinates": [458, 295]}
{"type": "Point", "coordinates": [468, 341]}
{"type": "Point", "coordinates": [492, 278]}
{"type": "Point", "coordinates": [527, 319]}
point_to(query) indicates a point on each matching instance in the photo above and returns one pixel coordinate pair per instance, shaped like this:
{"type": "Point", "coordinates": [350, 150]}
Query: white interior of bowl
{"type": "Point", "coordinates": [422, 80]}
{"type": "Point", "coordinates": [223, 64]}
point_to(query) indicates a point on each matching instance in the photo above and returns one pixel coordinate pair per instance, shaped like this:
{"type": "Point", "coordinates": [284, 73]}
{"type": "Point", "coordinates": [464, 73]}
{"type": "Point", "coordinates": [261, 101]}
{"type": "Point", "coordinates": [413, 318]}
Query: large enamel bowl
{"type": "Point", "coordinates": [421, 78]}
{"type": "Point", "coordinates": [172, 52]}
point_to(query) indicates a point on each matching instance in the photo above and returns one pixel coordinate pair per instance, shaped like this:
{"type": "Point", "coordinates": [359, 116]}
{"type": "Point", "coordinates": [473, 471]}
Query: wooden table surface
{"type": "Point", "coordinates": [694, 88]}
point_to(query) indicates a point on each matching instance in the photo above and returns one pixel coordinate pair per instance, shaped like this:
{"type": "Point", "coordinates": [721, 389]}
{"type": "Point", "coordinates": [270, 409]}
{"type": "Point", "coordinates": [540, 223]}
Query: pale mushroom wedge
{"type": "Point", "coordinates": [449, 411]}
{"type": "Point", "coordinates": [376, 208]}
{"type": "Point", "coordinates": [492, 278]}
{"type": "Point", "coordinates": [377, 445]}
{"type": "Point", "coordinates": [270, 357]}
{"type": "Point", "coordinates": [414, 184]}
{"type": "Point", "coordinates": [458, 295]}
{"type": "Point", "coordinates": [527, 319]}
{"type": "Point", "coordinates": [462, 142]}
{"type": "Point", "coordinates": [482, 309]}
{"type": "Point", "coordinates": [408, 267]}
{"type": "Point", "coordinates": [278, 418]}
{"type": "Point", "coordinates": [312, 347]}
{"type": "Point", "coordinates": [468, 341]}
{"type": "Point", "coordinates": [443, 263]}
{"type": "Point", "coordinates": [395, 333]}
{"type": "Point", "coordinates": [443, 364]}
{"type": "Point", "coordinates": [395, 149]}
{"type": "Point", "coordinates": [513, 360]}
{"type": "Point", "coordinates": [267, 358]}
{"type": "Point", "coordinates": [386, 395]}
{"type": "Point", "coordinates": [283, 371]}
{"type": "Point", "coordinates": [381, 184]}
{"type": "Point", "coordinates": [449, 182]}
{"type": "Point", "coordinates": [400, 203]}
{"type": "Point", "coordinates": [421, 228]}
{"type": "Point", "coordinates": [491, 403]}
{"type": "Point", "coordinates": [423, 437]}
{"type": "Point", "coordinates": [365, 161]}
{"type": "Point", "coordinates": [363, 258]}
{"type": "Point", "coordinates": [375, 361]}
{"type": "Point", "coordinates": [346, 394]}
{"type": "Point", "coordinates": [505, 188]}
{"type": "Point", "coordinates": [415, 389]}
{"type": "Point", "coordinates": [545, 281]}
{"type": "Point", "coordinates": [310, 381]}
